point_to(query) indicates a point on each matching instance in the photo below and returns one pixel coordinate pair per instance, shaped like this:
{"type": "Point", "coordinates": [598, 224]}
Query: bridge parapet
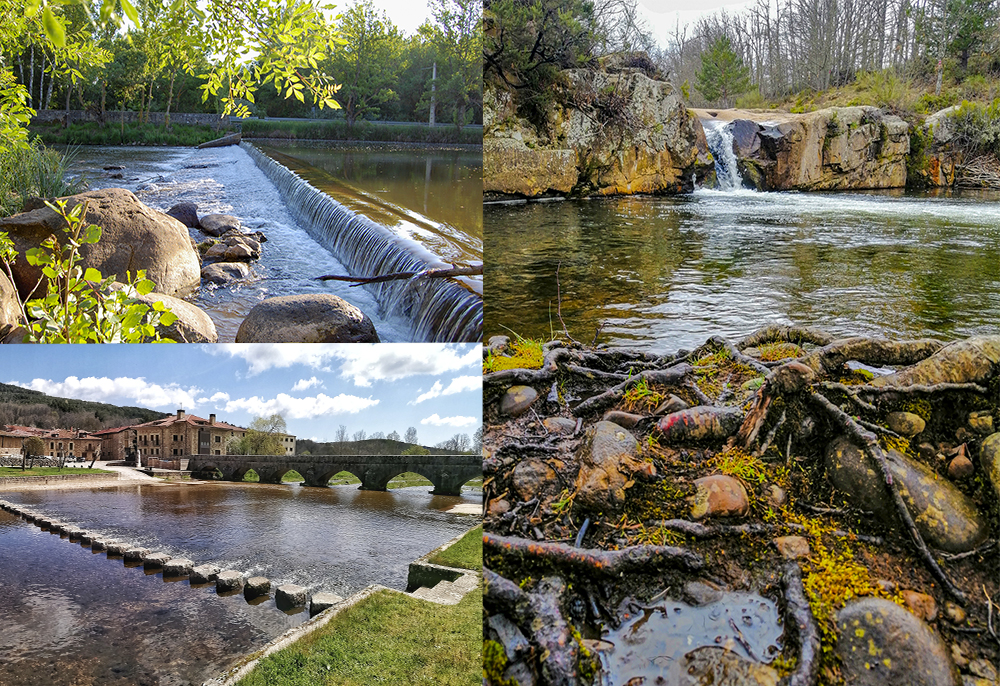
{"type": "Point", "coordinates": [446, 472]}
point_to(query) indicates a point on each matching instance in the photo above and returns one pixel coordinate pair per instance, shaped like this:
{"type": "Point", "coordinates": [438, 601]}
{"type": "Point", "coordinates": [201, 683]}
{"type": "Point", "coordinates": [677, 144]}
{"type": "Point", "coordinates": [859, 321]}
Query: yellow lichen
{"type": "Point", "coordinates": [525, 353]}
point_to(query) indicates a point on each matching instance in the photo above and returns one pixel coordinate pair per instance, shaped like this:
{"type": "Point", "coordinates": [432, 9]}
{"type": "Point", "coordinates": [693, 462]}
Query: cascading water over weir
{"type": "Point", "coordinates": [719, 136]}
{"type": "Point", "coordinates": [439, 309]}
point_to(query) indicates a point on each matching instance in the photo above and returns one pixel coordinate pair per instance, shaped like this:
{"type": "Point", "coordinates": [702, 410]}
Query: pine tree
{"type": "Point", "coordinates": [723, 76]}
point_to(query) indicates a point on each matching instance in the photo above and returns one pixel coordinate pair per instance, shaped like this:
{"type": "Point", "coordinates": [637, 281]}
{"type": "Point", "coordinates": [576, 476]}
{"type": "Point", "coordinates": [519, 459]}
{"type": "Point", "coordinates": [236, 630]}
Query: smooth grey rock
{"type": "Point", "coordinates": [178, 566]}
{"type": "Point", "coordinates": [608, 450]}
{"type": "Point", "coordinates": [882, 644]}
{"type": "Point", "coordinates": [218, 224]}
{"type": "Point", "coordinates": [946, 518]}
{"type": "Point", "coordinates": [905, 423]}
{"type": "Point", "coordinates": [155, 560]}
{"type": "Point", "coordinates": [309, 318]}
{"type": "Point", "coordinates": [559, 425]}
{"type": "Point", "coordinates": [257, 586]}
{"type": "Point", "coordinates": [702, 592]}
{"type": "Point", "coordinates": [510, 637]}
{"type": "Point", "coordinates": [186, 213]}
{"type": "Point", "coordinates": [228, 581]}
{"type": "Point", "coordinates": [202, 574]}
{"type": "Point", "coordinates": [290, 595]}
{"type": "Point", "coordinates": [517, 400]}
{"type": "Point", "coordinates": [224, 272]}
{"type": "Point", "coordinates": [322, 601]}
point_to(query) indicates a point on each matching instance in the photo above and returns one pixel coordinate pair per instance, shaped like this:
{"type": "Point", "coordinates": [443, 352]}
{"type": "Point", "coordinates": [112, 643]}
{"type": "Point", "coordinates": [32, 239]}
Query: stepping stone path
{"type": "Point", "coordinates": [257, 586]}
{"type": "Point", "coordinates": [228, 581]}
{"type": "Point", "coordinates": [178, 567]}
{"type": "Point", "coordinates": [322, 601]}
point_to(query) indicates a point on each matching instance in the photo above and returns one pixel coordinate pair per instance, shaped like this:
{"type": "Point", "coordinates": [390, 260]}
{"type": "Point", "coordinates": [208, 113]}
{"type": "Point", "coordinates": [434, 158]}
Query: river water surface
{"type": "Point", "coordinates": [73, 616]}
{"type": "Point", "coordinates": [666, 273]}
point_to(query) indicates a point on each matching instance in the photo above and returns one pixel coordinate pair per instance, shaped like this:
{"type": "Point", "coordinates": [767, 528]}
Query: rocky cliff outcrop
{"type": "Point", "coordinates": [837, 148]}
{"type": "Point", "coordinates": [604, 134]}
{"type": "Point", "coordinates": [936, 158]}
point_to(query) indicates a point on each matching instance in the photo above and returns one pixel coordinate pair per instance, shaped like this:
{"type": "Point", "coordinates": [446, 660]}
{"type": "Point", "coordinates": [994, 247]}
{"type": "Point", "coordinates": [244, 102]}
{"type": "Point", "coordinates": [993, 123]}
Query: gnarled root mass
{"type": "Point", "coordinates": [726, 457]}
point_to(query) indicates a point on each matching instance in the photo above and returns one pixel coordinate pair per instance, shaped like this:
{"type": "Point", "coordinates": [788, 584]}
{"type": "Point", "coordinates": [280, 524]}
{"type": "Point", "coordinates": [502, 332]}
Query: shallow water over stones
{"type": "Point", "coordinates": [71, 615]}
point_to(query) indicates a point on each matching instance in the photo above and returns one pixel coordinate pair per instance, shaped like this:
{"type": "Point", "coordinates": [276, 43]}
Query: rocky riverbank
{"type": "Point", "coordinates": [851, 487]}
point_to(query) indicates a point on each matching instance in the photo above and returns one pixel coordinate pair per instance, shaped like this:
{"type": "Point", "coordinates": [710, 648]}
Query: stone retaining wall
{"type": "Point", "coordinates": [115, 117]}
{"type": "Point", "coordinates": [9, 482]}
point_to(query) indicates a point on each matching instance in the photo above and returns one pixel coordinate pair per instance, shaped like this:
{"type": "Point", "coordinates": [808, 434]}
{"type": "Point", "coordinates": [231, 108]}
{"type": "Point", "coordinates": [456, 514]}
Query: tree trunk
{"type": "Point", "coordinates": [48, 96]}
{"type": "Point", "coordinates": [170, 97]}
{"type": "Point", "coordinates": [41, 84]}
{"type": "Point", "coordinates": [69, 92]}
{"type": "Point", "coordinates": [31, 79]}
{"type": "Point", "coordinates": [104, 95]}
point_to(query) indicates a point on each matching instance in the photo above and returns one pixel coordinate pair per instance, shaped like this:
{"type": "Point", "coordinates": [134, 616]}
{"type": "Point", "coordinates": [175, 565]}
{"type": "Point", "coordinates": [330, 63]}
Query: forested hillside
{"type": "Point", "coordinates": [33, 408]}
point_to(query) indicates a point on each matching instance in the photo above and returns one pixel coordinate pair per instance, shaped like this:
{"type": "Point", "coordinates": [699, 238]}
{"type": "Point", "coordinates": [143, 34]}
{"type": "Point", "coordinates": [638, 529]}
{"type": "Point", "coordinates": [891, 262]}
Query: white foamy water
{"type": "Point", "coordinates": [226, 180]}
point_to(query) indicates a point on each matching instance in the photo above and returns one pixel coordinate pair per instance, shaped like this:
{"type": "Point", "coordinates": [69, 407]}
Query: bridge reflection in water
{"type": "Point", "coordinates": [446, 472]}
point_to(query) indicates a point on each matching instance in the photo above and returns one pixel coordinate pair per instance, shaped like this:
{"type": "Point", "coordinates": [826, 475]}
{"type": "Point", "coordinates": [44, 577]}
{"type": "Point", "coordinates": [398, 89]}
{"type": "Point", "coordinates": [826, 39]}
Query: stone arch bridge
{"type": "Point", "coordinates": [446, 472]}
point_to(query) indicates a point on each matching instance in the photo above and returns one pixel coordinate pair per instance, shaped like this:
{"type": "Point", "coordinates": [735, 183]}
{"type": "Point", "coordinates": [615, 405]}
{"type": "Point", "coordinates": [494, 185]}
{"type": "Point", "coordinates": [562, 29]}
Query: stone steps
{"type": "Point", "coordinates": [448, 592]}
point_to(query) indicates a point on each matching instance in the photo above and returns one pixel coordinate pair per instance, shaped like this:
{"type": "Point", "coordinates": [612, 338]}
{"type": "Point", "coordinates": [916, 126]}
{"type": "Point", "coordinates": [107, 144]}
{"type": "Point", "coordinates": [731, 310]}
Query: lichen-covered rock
{"type": "Point", "coordinates": [939, 156]}
{"type": "Point", "coordinates": [881, 644]}
{"type": "Point", "coordinates": [989, 460]}
{"type": "Point", "coordinates": [10, 304]}
{"type": "Point", "coordinates": [719, 495]}
{"type": "Point", "coordinates": [310, 318]}
{"type": "Point", "coordinates": [657, 147]}
{"type": "Point", "coordinates": [133, 237]}
{"type": "Point", "coordinates": [607, 454]}
{"type": "Point", "coordinates": [531, 478]}
{"type": "Point", "coordinates": [517, 400]}
{"type": "Point", "coordinates": [971, 360]}
{"type": "Point", "coordinates": [981, 422]}
{"type": "Point", "coordinates": [945, 517]}
{"type": "Point", "coordinates": [905, 423]}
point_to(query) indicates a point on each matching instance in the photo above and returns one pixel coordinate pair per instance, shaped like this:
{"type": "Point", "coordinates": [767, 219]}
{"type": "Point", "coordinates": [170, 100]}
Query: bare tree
{"type": "Point", "coordinates": [411, 435]}
{"type": "Point", "coordinates": [359, 435]}
{"type": "Point", "coordinates": [342, 434]}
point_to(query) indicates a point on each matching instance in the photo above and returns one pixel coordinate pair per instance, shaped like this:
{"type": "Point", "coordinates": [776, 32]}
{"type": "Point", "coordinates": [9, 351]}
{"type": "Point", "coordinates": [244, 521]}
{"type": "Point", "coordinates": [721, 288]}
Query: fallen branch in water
{"type": "Point", "coordinates": [472, 270]}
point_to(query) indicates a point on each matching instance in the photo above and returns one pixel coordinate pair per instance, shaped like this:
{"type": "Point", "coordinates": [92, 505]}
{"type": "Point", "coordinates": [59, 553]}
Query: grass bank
{"type": "Point", "coordinates": [361, 131]}
{"type": "Point", "coordinates": [91, 133]}
{"type": "Point", "coordinates": [388, 638]}
{"type": "Point", "coordinates": [466, 553]}
{"type": "Point", "coordinates": [49, 471]}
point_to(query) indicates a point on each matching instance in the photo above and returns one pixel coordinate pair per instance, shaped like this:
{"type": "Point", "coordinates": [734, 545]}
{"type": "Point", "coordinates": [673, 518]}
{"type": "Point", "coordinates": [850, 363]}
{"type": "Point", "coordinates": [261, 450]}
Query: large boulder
{"type": "Point", "coordinates": [134, 237]}
{"type": "Point", "coordinates": [836, 148]}
{"type": "Point", "coordinates": [945, 517]}
{"type": "Point", "coordinates": [938, 155]}
{"type": "Point", "coordinates": [881, 644]}
{"type": "Point", "coordinates": [621, 133]}
{"type": "Point", "coordinates": [310, 318]}
{"type": "Point", "coordinates": [193, 325]}
{"type": "Point", "coordinates": [10, 306]}
{"type": "Point", "coordinates": [218, 224]}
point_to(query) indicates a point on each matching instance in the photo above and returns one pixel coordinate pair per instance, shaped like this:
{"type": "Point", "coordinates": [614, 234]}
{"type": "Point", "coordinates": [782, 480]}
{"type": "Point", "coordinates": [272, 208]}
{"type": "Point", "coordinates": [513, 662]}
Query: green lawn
{"type": "Point", "coordinates": [467, 553]}
{"type": "Point", "coordinates": [387, 638]}
{"type": "Point", "coordinates": [407, 479]}
{"type": "Point", "coordinates": [49, 471]}
{"type": "Point", "coordinates": [290, 477]}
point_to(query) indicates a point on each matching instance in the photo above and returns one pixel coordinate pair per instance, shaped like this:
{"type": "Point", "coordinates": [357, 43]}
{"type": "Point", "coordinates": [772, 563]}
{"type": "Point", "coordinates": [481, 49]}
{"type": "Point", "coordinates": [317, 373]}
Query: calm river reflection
{"type": "Point", "coordinates": [72, 616]}
{"type": "Point", "coordinates": [664, 273]}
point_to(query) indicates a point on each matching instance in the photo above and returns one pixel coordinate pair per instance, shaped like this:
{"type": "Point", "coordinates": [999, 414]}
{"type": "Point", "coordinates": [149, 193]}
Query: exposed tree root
{"type": "Point", "coordinates": [607, 562]}
{"type": "Point", "coordinates": [876, 352]}
{"type": "Point", "coordinates": [786, 334]}
{"type": "Point", "coordinates": [799, 617]}
{"type": "Point", "coordinates": [540, 611]}
{"type": "Point", "coordinates": [869, 443]}
{"type": "Point", "coordinates": [672, 376]}
{"type": "Point", "coordinates": [473, 270]}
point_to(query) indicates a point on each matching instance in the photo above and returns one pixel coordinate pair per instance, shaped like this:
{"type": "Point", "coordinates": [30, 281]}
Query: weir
{"type": "Point", "coordinates": [439, 309]}
{"type": "Point", "coordinates": [719, 135]}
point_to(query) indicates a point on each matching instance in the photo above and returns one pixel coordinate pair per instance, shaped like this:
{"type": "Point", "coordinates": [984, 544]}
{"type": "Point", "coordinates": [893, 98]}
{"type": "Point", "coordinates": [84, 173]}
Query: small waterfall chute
{"type": "Point", "coordinates": [439, 309]}
{"type": "Point", "coordinates": [719, 136]}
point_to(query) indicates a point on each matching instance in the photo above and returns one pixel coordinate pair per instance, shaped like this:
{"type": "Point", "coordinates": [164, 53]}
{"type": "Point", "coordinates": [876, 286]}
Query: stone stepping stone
{"type": "Point", "coordinates": [290, 596]}
{"type": "Point", "coordinates": [98, 544]}
{"type": "Point", "coordinates": [73, 532]}
{"type": "Point", "coordinates": [115, 548]}
{"type": "Point", "coordinates": [322, 601]}
{"type": "Point", "coordinates": [203, 574]}
{"type": "Point", "coordinates": [228, 581]}
{"type": "Point", "coordinates": [135, 554]}
{"type": "Point", "coordinates": [87, 537]}
{"type": "Point", "coordinates": [177, 567]}
{"type": "Point", "coordinates": [155, 560]}
{"type": "Point", "coordinates": [257, 586]}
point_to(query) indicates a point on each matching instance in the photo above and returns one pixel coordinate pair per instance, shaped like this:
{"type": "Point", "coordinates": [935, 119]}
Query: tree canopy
{"type": "Point", "coordinates": [723, 76]}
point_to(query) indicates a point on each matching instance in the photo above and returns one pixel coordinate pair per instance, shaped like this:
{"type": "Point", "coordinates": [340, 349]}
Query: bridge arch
{"type": "Point", "coordinates": [322, 477]}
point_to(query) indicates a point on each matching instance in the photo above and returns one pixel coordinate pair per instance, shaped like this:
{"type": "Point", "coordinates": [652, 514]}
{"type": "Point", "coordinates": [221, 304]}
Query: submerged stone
{"type": "Point", "coordinates": [882, 644]}
{"type": "Point", "coordinates": [945, 517]}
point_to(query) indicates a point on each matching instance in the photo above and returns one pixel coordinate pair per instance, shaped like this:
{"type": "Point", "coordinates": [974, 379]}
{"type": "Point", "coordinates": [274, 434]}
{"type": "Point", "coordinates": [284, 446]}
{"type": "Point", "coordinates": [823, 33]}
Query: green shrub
{"type": "Point", "coordinates": [33, 171]}
{"type": "Point", "coordinates": [361, 131]}
{"type": "Point", "coordinates": [977, 128]}
{"type": "Point", "coordinates": [91, 133]}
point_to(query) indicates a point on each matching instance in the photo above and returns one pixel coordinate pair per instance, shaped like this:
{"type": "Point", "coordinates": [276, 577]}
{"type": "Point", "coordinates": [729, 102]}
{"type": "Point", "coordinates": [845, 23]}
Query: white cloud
{"type": "Point", "coordinates": [360, 362]}
{"type": "Point", "coordinates": [304, 384]}
{"type": "Point", "coordinates": [301, 408]}
{"type": "Point", "coordinates": [457, 385]}
{"type": "Point", "coordinates": [435, 420]}
{"type": "Point", "coordinates": [217, 399]}
{"type": "Point", "coordinates": [105, 389]}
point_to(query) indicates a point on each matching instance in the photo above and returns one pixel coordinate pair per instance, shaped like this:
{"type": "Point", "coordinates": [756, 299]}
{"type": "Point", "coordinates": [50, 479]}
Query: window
{"type": "Point", "coordinates": [70, 446]}
{"type": "Point", "coordinates": [175, 437]}
{"type": "Point", "coordinates": [218, 452]}
{"type": "Point", "coordinates": [218, 439]}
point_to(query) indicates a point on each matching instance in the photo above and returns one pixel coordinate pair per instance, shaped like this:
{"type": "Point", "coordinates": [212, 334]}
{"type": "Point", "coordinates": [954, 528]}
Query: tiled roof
{"type": "Point", "coordinates": [190, 419]}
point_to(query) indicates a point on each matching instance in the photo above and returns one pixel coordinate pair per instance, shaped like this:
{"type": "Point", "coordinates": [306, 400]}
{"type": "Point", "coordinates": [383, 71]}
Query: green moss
{"type": "Point", "coordinates": [641, 397]}
{"type": "Point", "coordinates": [495, 663]}
{"type": "Point", "coordinates": [524, 353]}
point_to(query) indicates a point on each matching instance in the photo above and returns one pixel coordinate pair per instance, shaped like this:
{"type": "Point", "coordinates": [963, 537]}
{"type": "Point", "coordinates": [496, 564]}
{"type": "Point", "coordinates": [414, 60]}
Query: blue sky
{"type": "Point", "coordinates": [385, 387]}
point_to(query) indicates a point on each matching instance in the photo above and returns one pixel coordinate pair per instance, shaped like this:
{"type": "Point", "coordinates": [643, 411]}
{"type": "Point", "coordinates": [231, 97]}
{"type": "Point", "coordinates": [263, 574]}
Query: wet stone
{"type": "Point", "coordinates": [559, 425]}
{"type": "Point", "coordinates": [882, 644]}
{"type": "Point", "coordinates": [920, 604]}
{"type": "Point", "coordinates": [792, 547]}
{"type": "Point", "coordinates": [322, 601]}
{"type": "Point", "coordinates": [960, 467]}
{"type": "Point", "coordinates": [290, 595]}
{"type": "Point", "coordinates": [498, 344]}
{"type": "Point", "coordinates": [724, 668]}
{"type": "Point", "coordinates": [981, 422]}
{"type": "Point", "coordinates": [905, 423]}
{"type": "Point", "coordinates": [531, 477]}
{"type": "Point", "coordinates": [155, 560]}
{"type": "Point", "coordinates": [115, 548]}
{"type": "Point", "coordinates": [626, 420]}
{"type": "Point", "coordinates": [202, 574]}
{"type": "Point", "coordinates": [719, 495]}
{"type": "Point", "coordinates": [228, 581]}
{"type": "Point", "coordinates": [946, 518]}
{"type": "Point", "coordinates": [517, 400]}
{"type": "Point", "coordinates": [989, 460]}
{"type": "Point", "coordinates": [257, 586]}
{"type": "Point", "coordinates": [607, 449]}
{"type": "Point", "coordinates": [98, 544]}
{"type": "Point", "coordinates": [177, 567]}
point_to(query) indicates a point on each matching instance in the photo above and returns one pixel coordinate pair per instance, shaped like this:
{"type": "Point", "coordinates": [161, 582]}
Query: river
{"type": "Point", "coordinates": [226, 180]}
{"type": "Point", "coordinates": [73, 616]}
{"type": "Point", "coordinates": [667, 273]}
